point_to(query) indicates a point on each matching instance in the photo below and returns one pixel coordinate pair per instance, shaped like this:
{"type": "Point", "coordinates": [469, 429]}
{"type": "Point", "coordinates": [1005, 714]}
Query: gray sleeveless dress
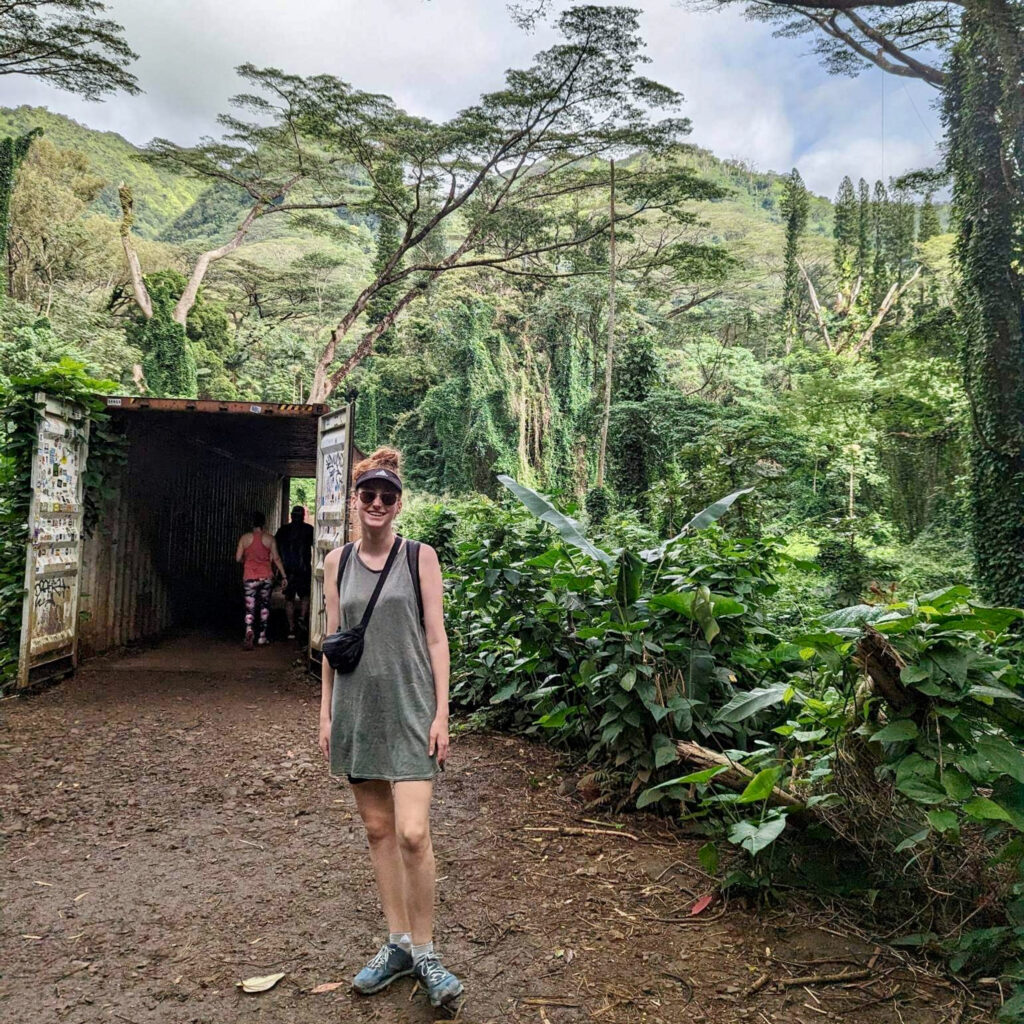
{"type": "Point", "coordinates": [381, 713]}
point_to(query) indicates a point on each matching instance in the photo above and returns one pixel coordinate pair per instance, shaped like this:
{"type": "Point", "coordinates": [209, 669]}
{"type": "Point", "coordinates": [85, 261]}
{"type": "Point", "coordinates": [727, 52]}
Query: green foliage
{"type": "Point", "coordinates": [793, 206]}
{"type": "Point", "coordinates": [67, 44]}
{"type": "Point", "coordinates": [161, 196]}
{"type": "Point", "coordinates": [12, 151]}
{"type": "Point", "coordinates": [620, 653]}
{"type": "Point", "coordinates": [20, 415]}
{"type": "Point", "coordinates": [984, 117]}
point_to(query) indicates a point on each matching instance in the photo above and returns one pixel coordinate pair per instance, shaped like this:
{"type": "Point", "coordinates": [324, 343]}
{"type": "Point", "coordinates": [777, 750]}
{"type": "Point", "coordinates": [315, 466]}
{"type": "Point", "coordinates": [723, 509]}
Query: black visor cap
{"type": "Point", "coordinates": [379, 474]}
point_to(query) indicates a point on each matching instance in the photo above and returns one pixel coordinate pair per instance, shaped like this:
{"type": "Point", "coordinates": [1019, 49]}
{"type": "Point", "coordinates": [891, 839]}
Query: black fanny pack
{"type": "Point", "coordinates": [344, 648]}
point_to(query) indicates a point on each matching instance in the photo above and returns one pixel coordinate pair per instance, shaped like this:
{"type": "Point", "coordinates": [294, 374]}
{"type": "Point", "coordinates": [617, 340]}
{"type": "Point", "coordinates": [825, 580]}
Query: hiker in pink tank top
{"type": "Point", "coordinates": [257, 551]}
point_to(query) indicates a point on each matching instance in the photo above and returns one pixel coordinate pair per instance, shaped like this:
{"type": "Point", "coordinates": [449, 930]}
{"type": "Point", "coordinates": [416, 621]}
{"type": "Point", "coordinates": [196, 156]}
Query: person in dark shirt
{"type": "Point", "coordinates": [295, 545]}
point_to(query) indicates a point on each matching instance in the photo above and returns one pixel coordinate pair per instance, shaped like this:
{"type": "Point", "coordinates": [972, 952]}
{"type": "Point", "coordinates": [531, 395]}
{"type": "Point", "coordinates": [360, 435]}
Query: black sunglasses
{"type": "Point", "coordinates": [388, 498]}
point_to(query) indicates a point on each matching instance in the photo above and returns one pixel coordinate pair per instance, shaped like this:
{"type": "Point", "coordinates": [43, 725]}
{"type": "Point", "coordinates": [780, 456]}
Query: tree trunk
{"type": "Point", "coordinates": [142, 299]}
{"type": "Point", "coordinates": [984, 115]}
{"type": "Point", "coordinates": [606, 405]}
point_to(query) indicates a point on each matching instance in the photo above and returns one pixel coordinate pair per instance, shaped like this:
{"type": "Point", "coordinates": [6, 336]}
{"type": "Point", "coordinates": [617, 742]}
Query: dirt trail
{"type": "Point", "coordinates": [168, 833]}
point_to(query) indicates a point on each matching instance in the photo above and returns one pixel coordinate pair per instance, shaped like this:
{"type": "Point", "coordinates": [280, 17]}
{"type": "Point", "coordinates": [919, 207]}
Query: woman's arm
{"type": "Point", "coordinates": [432, 589]}
{"type": "Point", "coordinates": [240, 550]}
{"type": "Point", "coordinates": [326, 672]}
{"type": "Point", "coordinates": [275, 557]}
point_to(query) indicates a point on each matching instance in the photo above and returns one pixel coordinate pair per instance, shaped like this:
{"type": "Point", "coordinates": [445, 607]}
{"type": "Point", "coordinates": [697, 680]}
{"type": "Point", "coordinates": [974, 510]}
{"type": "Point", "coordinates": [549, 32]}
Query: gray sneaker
{"type": "Point", "coordinates": [442, 986]}
{"type": "Point", "coordinates": [390, 963]}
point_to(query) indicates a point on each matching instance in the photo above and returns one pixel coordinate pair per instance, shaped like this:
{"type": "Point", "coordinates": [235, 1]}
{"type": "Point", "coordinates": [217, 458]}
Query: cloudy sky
{"type": "Point", "coordinates": [748, 95]}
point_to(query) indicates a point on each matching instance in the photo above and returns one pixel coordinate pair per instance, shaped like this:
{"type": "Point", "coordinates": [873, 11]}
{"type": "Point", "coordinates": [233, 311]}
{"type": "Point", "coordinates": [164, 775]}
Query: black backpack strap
{"type": "Point", "coordinates": [345, 552]}
{"type": "Point", "coordinates": [412, 550]}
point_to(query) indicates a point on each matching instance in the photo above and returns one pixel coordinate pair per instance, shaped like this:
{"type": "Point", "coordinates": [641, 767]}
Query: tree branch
{"type": "Point", "coordinates": [124, 194]}
{"type": "Point", "coordinates": [188, 296]}
{"type": "Point", "coordinates": [816, 306]}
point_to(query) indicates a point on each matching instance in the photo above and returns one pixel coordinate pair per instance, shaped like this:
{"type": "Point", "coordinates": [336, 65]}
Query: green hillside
{"type": "Point", "coordinates": [160, 197]}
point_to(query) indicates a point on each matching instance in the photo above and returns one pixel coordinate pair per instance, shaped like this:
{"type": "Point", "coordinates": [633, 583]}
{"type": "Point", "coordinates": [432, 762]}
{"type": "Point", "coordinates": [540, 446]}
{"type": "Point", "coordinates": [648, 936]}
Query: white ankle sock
{"type": "Point", "coordinates": [403, 939]}
{"type": "Point", "coordinates": [419, 952]}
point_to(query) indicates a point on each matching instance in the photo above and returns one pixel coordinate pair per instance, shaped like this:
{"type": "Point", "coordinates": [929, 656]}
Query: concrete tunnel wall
{"type": "Point", "coordinates": [162, 554]}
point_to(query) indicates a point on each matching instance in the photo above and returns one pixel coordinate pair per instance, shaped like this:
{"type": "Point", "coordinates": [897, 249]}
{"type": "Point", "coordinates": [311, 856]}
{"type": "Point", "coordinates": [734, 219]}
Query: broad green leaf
{"type": "Point", "coordinates": [629, 584]}
{"type": "Point", "coordinates": [983, 809]}
{"type": "Point", "coordinates": [953, 662]}
{"type": "Point", "coordinates": [682, 602]}
{"type": "Point", "coordinates": [994, 691]}
{"type": "Point", "coordinates": [996, 619]}
{"type": "Point", "coordinates": [568, 529]}
{"type": "Point", "coordinates": [754, 837]}
{"type": "Point", "coordinates": [708, 857]}
{"type": "Point", "coordinates": [508, 690]}
{"type": "Point", "coordinates": [549, 559]}
{"type": "Point", "coordinates": [1003, 756]}
{"type": "Point", "coordinates": [760, 786]}
{"type": "Point", "coordinates": [943, 821]}
{"type": "Point", "coordinates": [749, 703]}
{"type": "Point", "coordinates": [914, 674]}
{"type": "Point", "coordinates": [556, 719]}
{"type": "Point", "coordinates": [695, 778]}
{"type": "Point", "coordinates": [650, 796]}
{"type": "Point", "coordinates": [903, 729]}
{"type": "Point", "coordinates": [921, 789]}
{"type": "Point", "coordinates": [912, 840]}
{"type": "Point", "coordinates": [664, 751]}
{"type": "Point", "coordinates": [957, 785]}
{"type": "Point", "coordinates": [628, 680]}
{"type": "Point", "coordinates": [700, 521]}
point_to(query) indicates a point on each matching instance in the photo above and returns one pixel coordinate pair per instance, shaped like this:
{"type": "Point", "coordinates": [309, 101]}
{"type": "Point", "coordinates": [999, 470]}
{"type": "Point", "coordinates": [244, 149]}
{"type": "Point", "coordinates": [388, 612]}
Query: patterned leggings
{"type": "Point", "coordinates": [257, 605]}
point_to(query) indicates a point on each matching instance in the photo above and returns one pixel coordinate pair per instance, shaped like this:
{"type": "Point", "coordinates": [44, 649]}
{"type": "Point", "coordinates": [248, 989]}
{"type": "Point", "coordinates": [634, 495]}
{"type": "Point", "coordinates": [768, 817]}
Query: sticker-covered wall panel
{"type": "Point", "coordinates": [333, 457]}
{"type": "Point", "coordinates": [50, 618]}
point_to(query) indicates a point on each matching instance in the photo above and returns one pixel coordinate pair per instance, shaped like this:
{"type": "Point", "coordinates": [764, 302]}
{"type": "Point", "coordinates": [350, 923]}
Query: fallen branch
{"type": "Point", "coordinates": [571, 1003]}
{"type": "Point", "coordinates": [736, 776]}
{"type": "Point", "coordinates": [825, 979]}
{"type": "Point", "coordinates": [757, 986]}
{"type": "Point", "coordinates": [564, 830]}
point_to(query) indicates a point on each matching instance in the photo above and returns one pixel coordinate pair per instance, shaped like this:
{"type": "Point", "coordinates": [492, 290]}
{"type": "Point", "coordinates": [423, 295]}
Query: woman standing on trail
{"type": "Point", "coordinates": [385, 724]}
{"type": "Point", "coordinates": [257, 551]}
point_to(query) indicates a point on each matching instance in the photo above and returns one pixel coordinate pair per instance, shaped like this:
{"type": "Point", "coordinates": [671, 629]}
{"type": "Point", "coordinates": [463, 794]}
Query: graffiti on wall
{"type": "Point", "coordinates": [55, 531]}
{"type": "Point", "coordinates": [332, 493]}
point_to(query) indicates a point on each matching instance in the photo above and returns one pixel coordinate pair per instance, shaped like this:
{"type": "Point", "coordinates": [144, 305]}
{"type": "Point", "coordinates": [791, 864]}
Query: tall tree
{"type": "Point", "coordinates": [980, 50]}
{"type": "Point", "coordinates": [863, 230]}
{"type": "Point", "coordinates": [794, 206]}
{"type": "Point", "coordinates": [928, 225]}
{"type": "Point", "coordinates": [845, 230]}
{"type": "Point", "coordinates": [511, 183]}
{"type": "Point", "coordinates": [67, 44]}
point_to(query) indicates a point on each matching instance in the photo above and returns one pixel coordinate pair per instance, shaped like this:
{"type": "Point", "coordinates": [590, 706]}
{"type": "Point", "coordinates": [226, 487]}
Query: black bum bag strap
{"type": "Point", "coordinates": [346, 554]}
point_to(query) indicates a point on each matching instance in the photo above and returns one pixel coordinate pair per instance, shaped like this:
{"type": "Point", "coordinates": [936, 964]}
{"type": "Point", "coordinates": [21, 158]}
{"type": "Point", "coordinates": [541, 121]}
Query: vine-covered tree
{"type": "Point", "coordinates": [793, 206]}
{"type": "Point", "coordinates": [980, 46]}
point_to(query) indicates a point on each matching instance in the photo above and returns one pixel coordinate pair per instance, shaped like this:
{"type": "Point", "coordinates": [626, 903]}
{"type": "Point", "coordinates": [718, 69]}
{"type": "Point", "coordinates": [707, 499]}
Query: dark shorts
{"type": "Point", "coordinates": [298, 587]}
{"type": "Point", "coordinates": [355, 782]}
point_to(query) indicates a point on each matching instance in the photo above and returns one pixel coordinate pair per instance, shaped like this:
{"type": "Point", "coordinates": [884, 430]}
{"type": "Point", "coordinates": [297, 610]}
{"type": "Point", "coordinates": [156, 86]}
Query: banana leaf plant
{"type": "Point", "coordinates": [630, 564]}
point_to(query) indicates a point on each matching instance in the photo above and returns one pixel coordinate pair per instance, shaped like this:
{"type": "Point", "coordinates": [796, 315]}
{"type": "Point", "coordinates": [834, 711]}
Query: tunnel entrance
{"type": "Point", "coordinates": [160, 561]}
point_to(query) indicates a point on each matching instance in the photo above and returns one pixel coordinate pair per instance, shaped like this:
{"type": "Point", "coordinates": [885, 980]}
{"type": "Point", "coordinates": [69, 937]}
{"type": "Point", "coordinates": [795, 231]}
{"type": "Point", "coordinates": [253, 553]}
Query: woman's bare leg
{"type": "Point", "coordinates": [377, 809]}
{"type": "Point", "coordinates": [411, 808]}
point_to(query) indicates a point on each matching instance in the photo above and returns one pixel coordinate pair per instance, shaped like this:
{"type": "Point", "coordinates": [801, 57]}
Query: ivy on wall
{"type": "Point", "coordinates": [20, 413]}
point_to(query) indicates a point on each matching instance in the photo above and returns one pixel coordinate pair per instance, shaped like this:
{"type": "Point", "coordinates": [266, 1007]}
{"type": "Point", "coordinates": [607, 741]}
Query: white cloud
{"type": "Point", "coordinates": [749, 96]}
